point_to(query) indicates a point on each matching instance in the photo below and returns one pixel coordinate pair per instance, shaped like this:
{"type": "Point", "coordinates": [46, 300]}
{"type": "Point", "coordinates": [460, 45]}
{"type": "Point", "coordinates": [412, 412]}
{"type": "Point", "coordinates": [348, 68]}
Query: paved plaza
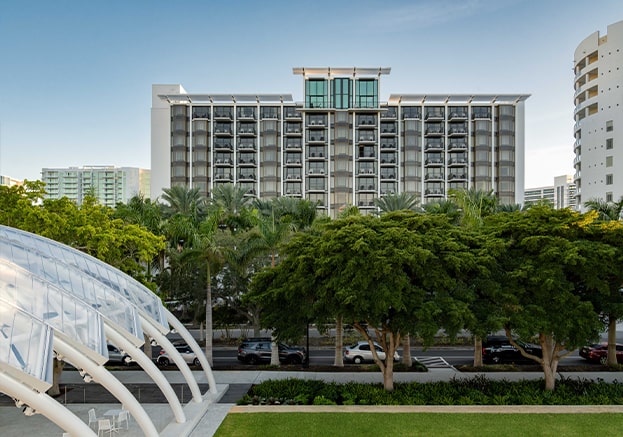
{"type": "Point", "coordinates": [231, 386]}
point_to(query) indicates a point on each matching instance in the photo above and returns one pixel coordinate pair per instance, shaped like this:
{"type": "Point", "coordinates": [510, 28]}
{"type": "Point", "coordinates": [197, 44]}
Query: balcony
{"type": "Point", "coordinates": [389, 114]}
{"type": "Point", "coordinates": [433, 162]}
{"type": "Point", "coordinates": [223, 146]}
{"type": "Point", "coordinates": [246, 162]}
{"type": "Point", "coordinates": [366, 122]}
{"type": "Point", "coordinates": [453, 145]}
{"type": "Point", "coordinates": [293, 146]}
{"type": "Point", "coordinates": [246, 146]}
{"type": "Point", "coordinates": [433, 177]}
{"type": "Point", "coordinates": [364, 187]}
{"type": "Point", "coordinates": [223, 132]}
{"type": "Point", "coordinates": [366, 171]}
{"type": "Point", "coordinates": [434, 115]}
{"type": "Point", "coordinates": [246, 177]}
{"type": "Point", "coordinates": [366, 138]}
{"type": "Point", "coordinates": [457, 131]}
{"type": "Point", "coordinates": [433, 146]}
{"type": "Point", "coordinates": [388, 162]}
{"type": "Point", "coordinates": [457, 115]}
{"type": "Point", "coordinates": [457, 176]}
{"type": "Point", "coordinates": [292, 114]}
{"type": "Point", "coordinates": [457, 161]}
{"type": "Point", "coordinates": [246, 115]}
{"type": "Point", "coordinates": [388, 176]}
{"type": "Point", "coordinates": [316, 172]}
{"type": "Point", "coordinates": [293, 177]}
{"type": "Point", "coordinates": [391, 146]}
{"type": "Point", "coordinates": [222, 177]}
{"type": "Point", "coordinates": [222, 115]}
{"type": "Point", "coordinates": [316, 155]}
{"type": "Point", "coordinates": [433, 192]}
{"type": "Point", "coordinates": [223, 162]}
{"type": "Point", "coordinates": [246, 131]}
{"type": "Point", "coordinates": [433, 132]}
{"type": "Point", "coordinates": [316, 123]}
{"type": "Point", "coordinates": [316, 139]}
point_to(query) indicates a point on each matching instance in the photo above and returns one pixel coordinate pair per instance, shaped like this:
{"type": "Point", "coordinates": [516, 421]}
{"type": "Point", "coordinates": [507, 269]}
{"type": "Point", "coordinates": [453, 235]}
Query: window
{"type": "Point", "coordinates": [316, 93]}
{"type": "Point", "coordinates": [608, 161]}
{"type": "Point", "coordinates": [367, 93]}
{"type": "Point", "coordinates": [608, 179]}
{"type": "Point", "coordinates": [608, 197]}
{"type": "Point", "coordinates": [342, 90]}
{"type": "Point", "coordinates": [609, 126]}
{"type": "Point", "coordinates": [609, 143]}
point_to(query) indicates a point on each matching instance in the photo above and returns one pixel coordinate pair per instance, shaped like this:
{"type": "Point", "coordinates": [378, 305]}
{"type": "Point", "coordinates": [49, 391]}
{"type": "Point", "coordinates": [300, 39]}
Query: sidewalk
{"type": "Point", "coordinates": [13, 423]}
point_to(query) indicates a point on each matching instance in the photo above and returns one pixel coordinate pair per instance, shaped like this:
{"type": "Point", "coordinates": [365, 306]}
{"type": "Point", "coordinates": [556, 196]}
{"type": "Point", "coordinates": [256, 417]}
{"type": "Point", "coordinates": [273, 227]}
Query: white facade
{"type": "Point", "coordinates": [560, 195]}
{"type": "Point", "coordinates": [109, 184]}
{"type": "Point", "coordinates": [598, 132]}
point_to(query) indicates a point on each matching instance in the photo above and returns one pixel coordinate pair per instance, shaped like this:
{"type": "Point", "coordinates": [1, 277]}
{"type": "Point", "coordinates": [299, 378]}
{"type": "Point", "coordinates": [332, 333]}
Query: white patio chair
{"type": "Point", "coordinates": [103, 426]}
{"type": "Point", "coordinates": [122, 417]}
{"type": "Point", "coordinates": [92, 417]}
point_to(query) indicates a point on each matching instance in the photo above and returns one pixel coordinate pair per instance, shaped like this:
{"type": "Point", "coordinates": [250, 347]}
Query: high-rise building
{"type": "Point", "coordinates": [598, 84]}
{"type": "Point", "coordinates": [109, 184]}
{"type": "Point", "coordinates": [560, 195]}
{"type": "Point", "coordinates": [342, 145]}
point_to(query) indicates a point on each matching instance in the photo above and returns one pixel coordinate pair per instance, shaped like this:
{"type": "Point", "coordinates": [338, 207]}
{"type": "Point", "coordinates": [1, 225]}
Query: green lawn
{"type": "Point", "coordinates": [419, 424]}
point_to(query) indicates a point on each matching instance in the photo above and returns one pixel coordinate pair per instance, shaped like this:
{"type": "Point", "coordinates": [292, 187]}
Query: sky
{"type": "Point", "coordinates": [76, 76]}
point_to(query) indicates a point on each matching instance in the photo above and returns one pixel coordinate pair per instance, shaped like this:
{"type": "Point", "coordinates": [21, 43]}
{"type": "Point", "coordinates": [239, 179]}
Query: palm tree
{"type": "Point", "coordinates": [474, 206]}
{"type": "Point", "coordinates": [607, 210]}
{"type": "Point", "coordinates": [185, 201]}
{"type": "Point", "coordinates": [233, 205]}
{"type": "Point", "coordinates": [397, 202]}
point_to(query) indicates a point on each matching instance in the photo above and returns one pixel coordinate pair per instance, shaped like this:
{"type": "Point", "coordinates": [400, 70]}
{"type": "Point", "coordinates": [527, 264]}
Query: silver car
{"type": "Point", "coordinates": [116, 356]}
{"type": "Point", "coordinates": [185, 351]}
{"type": "Point", "coordinates": [360, 352]}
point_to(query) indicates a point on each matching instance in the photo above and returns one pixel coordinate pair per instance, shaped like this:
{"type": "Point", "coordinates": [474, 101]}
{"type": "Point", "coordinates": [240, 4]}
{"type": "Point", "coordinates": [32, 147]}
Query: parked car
{"type": "Point", "coordinates": [598, 353]}
{"type": "Point", "coordinates": [185, 351]}
{"type": "Point", "coordinates": [117, 356]}
{"type": "Point", "coordinates": [360, 352]}
{"type": "Point", "coordinates": [258, 350]}
{"type": "Point", "coordinates": [498, 349]}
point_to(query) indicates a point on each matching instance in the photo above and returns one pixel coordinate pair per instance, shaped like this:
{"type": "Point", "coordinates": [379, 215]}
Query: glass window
{"type": "Point", "coordinates": [609, 143]}
{"type": "Point", "coordinates": [609, 161]}
{"type": "Point", "coordinates": [609, 179]}
{"type": "Point", "coordinates": [342, 91]}
{"type": "Point", "coordinates": [367, 94]}
{"type": "Point", "coordinates": [316, 93]}
{"type": "Point", "coordinates": [609, 126]}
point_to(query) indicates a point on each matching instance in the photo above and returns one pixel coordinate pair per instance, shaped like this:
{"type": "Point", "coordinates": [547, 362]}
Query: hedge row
{"type": "Point", "coordinates": [474, 391]}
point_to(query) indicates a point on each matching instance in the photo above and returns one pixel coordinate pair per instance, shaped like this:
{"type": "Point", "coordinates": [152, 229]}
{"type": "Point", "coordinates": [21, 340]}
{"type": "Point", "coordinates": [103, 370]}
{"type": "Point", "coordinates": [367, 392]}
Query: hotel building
{"type": "Point", "coordinates": [342, 145]}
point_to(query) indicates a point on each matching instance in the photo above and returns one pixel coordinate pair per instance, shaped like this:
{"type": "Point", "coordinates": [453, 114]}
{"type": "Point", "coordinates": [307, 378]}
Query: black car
{"type": "Point", "coordinates": [498, 349]}
{"type": "Point", "coordinates": [258, 350]}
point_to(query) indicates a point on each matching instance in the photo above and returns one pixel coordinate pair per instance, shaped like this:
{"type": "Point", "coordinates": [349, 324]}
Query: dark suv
{"type": "Point", "coordinates": [258, 350]}
{"type": "Point", "coordinates": [498, 349]}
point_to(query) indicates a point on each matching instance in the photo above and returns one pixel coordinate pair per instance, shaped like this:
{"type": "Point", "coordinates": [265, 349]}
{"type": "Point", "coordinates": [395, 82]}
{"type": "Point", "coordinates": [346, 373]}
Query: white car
{"type": "Point", "coordinates": [360, 352]}
{"type": "Point", "coordinates": [185, 351]}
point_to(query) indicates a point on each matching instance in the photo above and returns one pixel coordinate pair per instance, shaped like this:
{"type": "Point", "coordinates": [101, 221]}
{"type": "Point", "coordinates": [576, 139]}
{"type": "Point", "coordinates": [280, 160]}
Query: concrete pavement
{"type": "Point", "coordinates": [15, 424]}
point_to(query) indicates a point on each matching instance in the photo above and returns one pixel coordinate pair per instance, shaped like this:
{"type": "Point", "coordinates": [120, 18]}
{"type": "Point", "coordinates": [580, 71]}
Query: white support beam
{"type": "Point", "coordinates": [150, 368]}
{"type": "Point", "coordinates": [190, 340]}
{"type": "Point", "coordinates": [45, 405]}
{"type": "Point", "coordinates": [102, 376]}
{"type": "Point", "coordinates": [168, 347]}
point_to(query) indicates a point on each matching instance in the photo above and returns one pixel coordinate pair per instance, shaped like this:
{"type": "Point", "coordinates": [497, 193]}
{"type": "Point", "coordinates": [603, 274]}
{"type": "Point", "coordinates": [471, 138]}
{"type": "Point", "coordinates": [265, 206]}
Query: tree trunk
{"type": "Point", "coordinates": [147, 347]}
{"type": "Point", "coordinates": [388, 370]}
{"type": "Point", "coordinates": [477, 351]}
{"type": "Point", "coordinates": [209, 320]}
{"type": "Point", "coordinates": [406, 351]}
{"type": "Point", "coordinates": [549, 361]}
{"type": "Point", "coordinates": [57, 370]}
{"type": "Point", "coordinates": [612, 340]}
{"type": "Point", "coordinates": [338, 360]}
{"type": "Point", "coordinates": [274, 352]}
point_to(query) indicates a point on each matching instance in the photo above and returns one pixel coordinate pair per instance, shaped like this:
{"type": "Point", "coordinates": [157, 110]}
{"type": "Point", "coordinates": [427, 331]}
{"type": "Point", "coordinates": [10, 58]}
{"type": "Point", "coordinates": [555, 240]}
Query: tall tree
{"type": "Point", "coordinates": [397, 202]}
{"type": "Point", "coordinates": [386, 275]}
{"type": "Point", "coordinates": [550, 274]}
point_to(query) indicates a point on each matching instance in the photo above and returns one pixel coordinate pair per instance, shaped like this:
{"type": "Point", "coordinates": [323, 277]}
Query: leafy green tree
{"type": "Point", "coordinates": [550, 274]}
{"type": "Point", "coordinates": [386, 276]}
{"type": "Point", "coordinates": [233, 206]}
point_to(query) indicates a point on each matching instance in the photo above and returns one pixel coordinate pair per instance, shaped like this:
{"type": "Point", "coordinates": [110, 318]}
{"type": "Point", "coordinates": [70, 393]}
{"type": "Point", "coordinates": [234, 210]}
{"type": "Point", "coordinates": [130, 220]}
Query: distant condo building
{"type": "Point", "coordinates": [560, 195]}
{"type": "Point", "coordinates": [109, 184]}
{"type": "Point", "coordinates": [9, 181]}
{"type": "Point", "coordinates": [340, 146]}
{"type": "Point", "coordinates": [598, 84]}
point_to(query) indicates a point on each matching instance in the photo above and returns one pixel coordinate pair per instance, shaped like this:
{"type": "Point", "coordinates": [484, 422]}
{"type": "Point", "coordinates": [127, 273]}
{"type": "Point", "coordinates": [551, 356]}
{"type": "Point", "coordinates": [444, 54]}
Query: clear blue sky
{"type": "Point", "coordinates": [76, 76]}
